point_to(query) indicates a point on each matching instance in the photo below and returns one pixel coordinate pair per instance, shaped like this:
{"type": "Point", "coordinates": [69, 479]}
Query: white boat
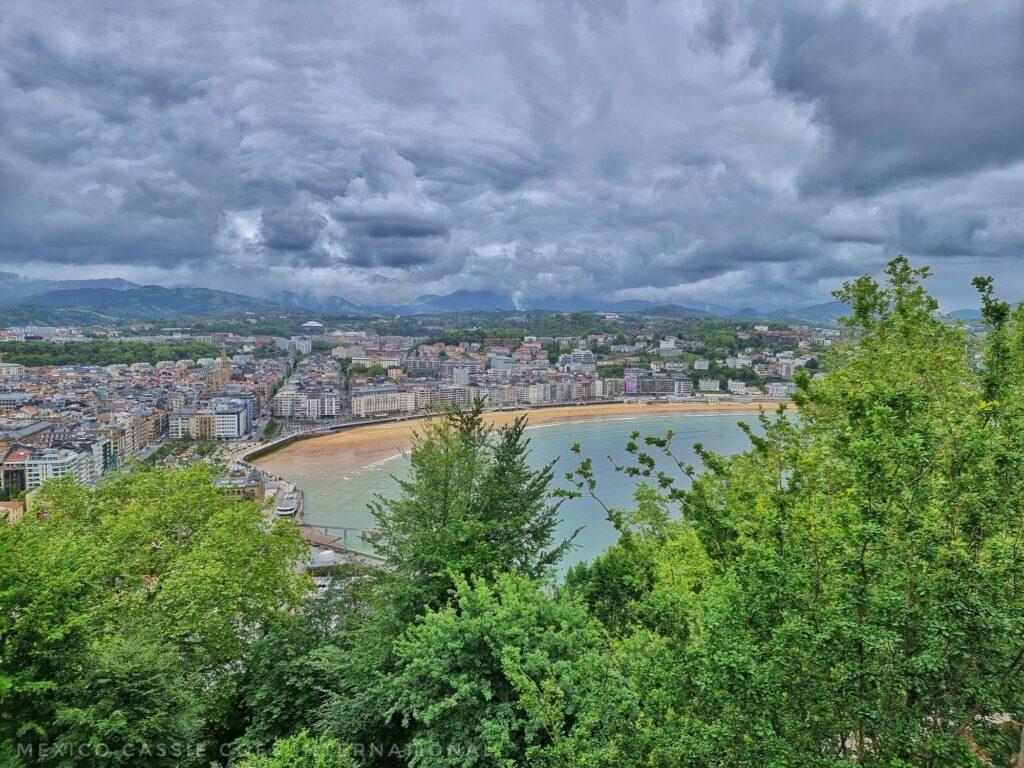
{"type": "Point", "coordinates": [290, 504]}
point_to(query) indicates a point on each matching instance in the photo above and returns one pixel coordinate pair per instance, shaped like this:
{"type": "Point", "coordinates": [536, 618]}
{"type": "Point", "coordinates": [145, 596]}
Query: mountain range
{"type": "Point", "coordinates": [26, 300]}
{"type": "Point", "coordinates": [23, 299]}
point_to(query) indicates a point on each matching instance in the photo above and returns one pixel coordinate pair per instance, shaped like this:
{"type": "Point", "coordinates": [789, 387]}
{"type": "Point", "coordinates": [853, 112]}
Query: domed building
{"type": "Point", "coordinates": [313, 327]}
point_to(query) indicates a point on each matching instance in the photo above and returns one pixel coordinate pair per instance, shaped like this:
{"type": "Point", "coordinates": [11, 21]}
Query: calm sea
{"type": "Point", "coordinates": [336, 497]}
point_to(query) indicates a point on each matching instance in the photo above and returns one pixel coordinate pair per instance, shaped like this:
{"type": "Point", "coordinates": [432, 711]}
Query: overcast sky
{"type": "Point", "coordinates": [732, 152]}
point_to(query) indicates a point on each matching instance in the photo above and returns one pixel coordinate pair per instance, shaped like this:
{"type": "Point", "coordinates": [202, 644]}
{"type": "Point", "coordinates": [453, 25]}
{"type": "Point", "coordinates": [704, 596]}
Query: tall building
{"type": "Point", "coordinates": [28, 466]}
{"type": "Point", "coordinates": [683, 387]}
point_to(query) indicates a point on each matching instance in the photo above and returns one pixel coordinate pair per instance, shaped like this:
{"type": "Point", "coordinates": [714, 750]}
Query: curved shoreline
{"type": "Point", "coordinates": [359, 445]}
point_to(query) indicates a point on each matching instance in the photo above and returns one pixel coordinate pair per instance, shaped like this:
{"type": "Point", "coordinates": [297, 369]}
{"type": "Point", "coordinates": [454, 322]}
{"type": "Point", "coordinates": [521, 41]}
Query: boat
{"type": "Point", "coordinates": [290, 504]}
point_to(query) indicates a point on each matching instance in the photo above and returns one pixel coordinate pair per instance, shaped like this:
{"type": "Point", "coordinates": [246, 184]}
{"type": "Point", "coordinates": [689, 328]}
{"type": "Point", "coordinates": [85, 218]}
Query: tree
{"type": "Point", "coordinates": [492, 679]}
{"type": "Point", "coordinates": [283, 690]}
{"type": "Point", "coordinates": [471, 507]}
{"type": "Point", "coordinates": [132, 596]}
{"type": "Point", "coordinates": [134, 703]}
{"type": "Point", "coordinates": [301, 751]}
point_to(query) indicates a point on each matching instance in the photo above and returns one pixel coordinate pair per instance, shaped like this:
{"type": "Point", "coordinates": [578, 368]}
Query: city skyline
{"type": "Point", "coordinates": [730, 153]}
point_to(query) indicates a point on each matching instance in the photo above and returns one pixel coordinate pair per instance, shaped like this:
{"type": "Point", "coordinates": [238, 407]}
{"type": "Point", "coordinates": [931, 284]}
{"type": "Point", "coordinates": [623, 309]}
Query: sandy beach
{"type": "Point", "coordinates": [360, 446]}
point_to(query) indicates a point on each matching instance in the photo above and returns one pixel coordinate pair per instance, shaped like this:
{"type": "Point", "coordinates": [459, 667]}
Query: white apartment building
{"type": "Point", "coordinates": [10, 371]}
{"type": "Point", "coordinates": [221, 423]}
{"type": "Point", "coordinates": [578, 361]}
{"type": "Point", "coordinates": [710, 385]}
{"type": "Point", "coordinates": [329, 404]}
{"type": "Point", "coordinates": [49, 463]}
{"type": "Point", "coordinates": [373, 402]}
{"type": "Point", "coordinates": [181, 424]}
{"type": "Point", "coordinates": [498, 395]}
{"type": "Point", "coordinates": [229, 423]}
{"type": "Point", "coordinates": [779, 388]}
{"type": "Point", "coordinates": [608, 387]}
{"type": "Point", "coordinates": [450, 395]}
{"type": "Point", "coordinates": [701, 365]}
{"type": "Point", "coordinates": [290, 403]}
{"type": "Point", "coordinates": [532, 394]}
{"type": "Point", "coordinates": [737, 387]}
{"type": "Point", "coordinates": [581, 390]}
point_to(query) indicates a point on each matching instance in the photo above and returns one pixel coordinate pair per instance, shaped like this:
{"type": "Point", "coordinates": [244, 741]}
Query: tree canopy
{"type": "Point", "coordinates": [127, 612]}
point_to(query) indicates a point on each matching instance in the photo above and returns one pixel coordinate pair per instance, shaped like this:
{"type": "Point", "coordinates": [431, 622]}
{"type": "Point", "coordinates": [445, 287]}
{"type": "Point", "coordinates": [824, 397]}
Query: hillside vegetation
{"type": "Point", "coordinates": [100, 352]}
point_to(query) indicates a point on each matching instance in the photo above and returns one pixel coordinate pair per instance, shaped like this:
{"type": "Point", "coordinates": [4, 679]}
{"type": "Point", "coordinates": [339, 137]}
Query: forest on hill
{"type": "Point", "coordinates": [845, 592]}
{"type": "Point", "coordinates": [103, 352]}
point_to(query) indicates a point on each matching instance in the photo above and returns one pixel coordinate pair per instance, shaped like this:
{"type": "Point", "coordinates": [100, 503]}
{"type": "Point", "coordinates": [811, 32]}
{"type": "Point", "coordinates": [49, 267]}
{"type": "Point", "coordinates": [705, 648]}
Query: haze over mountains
{"type": "Point", "coordinates": [24, 300]}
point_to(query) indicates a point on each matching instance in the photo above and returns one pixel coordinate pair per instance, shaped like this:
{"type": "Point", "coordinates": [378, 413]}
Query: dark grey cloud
{"type": "Point", "coordinates": [937, 92]}
{"type": "Point", "coordinates": [742, 151]}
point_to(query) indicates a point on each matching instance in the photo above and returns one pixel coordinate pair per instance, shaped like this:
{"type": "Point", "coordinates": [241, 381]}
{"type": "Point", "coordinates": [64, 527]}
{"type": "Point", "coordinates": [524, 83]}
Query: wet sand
{"type": "Point", "coordinates": [360, 446]}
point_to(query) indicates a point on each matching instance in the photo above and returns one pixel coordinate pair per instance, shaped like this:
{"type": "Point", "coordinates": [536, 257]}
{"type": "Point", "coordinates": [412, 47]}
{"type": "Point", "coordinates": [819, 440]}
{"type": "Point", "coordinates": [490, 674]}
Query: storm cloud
{"type": "Point", "coordinates": [735, 152]}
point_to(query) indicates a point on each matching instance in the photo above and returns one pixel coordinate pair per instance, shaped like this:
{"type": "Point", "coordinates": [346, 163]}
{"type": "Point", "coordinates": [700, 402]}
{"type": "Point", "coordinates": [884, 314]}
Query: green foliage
{"type": "Point", "coordinates": [615, 371]}
{"type": "Point", "coordinates": [487, 680]}
{"type": "Point", "coordinates": [471, 508]}
{"type": "Point", "coordinates": [301, 751]}
{"type": "Point", "coordinates": [572, 324]}
{"type": "Point", "coordinates": [859, 598]}
{"type": "Point", "coordinates": [284, 688]}
{"type": "Point", "coordinates": [134, 699]}
{"type": "Point", "coordinates": [473, 483]}
{"type": "Point", "coordinates": [128, 609]}
{"type": "Point", "coordinates": [455, 337]}
{"type": "Point", "coordinates": [99, 352]}
{"type": "Point", "coordinates": [272, 430]}
{"type": "Point", "coordinates": [358, 369]}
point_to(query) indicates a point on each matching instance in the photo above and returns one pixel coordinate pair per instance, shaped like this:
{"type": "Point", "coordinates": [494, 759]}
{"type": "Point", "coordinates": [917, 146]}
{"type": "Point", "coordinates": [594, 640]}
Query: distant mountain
{"type": "Point", "coordinates": [111, 300]}
{"type": "Point", "coordinates": [970, 314]}
{"type": "Point", "coordinates": [747, 313]}
{"type": "Point", "coordinates": [14, 289]}
{"type": "Point", "coordinates": [325, 305]}
{"type": "Point", "coordinates": [459, 301]}
{"type": "Point", "coordinates": [28, 315]}
{"type": "Point", "coordinates": [584, 304]}
{"type": "Point", "coordinates": [668, 310]}
{"type": "Point", "coordinates": [149, 302]}
{"type": "Point", "coordinates": [964, 314]}
{"type": "Point", "coordinates": [827, 313]}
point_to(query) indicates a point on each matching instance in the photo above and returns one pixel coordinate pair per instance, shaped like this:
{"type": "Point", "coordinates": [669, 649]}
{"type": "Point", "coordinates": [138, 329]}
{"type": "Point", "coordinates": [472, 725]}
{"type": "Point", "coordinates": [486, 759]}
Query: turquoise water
{"type": "Point", "coordinates": [334, 497]}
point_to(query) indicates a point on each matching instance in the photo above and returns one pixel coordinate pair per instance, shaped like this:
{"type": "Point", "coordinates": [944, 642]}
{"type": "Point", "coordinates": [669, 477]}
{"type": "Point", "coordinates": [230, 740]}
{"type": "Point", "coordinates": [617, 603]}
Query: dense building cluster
{"type": "Point", "coordinates": [85, 420]}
